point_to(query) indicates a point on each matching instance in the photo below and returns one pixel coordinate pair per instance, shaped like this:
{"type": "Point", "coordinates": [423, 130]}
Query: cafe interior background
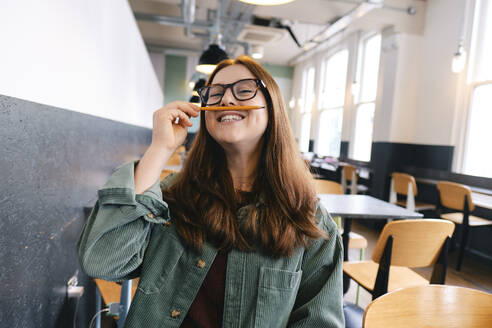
{"type": "Point", "coordinates": [393, 85]}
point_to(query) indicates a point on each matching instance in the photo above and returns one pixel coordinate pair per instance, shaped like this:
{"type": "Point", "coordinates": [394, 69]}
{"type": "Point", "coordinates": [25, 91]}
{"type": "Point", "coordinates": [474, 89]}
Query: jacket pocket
{"type": "Point", "coordinates": [161, 259]}
{"type": "Point", "coordinates": [277, 291]}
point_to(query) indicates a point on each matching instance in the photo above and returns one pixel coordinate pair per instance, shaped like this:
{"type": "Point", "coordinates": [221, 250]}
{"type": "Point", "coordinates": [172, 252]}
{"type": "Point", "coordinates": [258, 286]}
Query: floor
{"type": "Point", "coordinates": [473, 274]}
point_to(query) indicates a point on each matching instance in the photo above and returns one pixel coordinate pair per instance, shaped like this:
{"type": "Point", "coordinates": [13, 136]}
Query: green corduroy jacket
{"type": "Point", "coordinates": [129, 235]}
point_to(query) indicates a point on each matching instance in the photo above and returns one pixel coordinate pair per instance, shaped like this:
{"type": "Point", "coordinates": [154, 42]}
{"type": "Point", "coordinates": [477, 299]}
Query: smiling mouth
{"type": "Point", "coordinates": [230, 118]}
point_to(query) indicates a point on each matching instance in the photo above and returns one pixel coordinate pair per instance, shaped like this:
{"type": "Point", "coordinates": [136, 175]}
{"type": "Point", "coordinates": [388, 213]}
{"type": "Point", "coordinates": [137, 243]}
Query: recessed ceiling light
{"type": "Point", "coordinates": [257, 51]}
{"type": "Point", "coordinates": [266, 2]}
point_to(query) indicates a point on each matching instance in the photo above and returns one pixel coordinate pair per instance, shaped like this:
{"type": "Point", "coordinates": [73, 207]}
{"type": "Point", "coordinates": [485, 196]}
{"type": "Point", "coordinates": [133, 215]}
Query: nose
{"type": "Point", "coordinates": [228, 98]}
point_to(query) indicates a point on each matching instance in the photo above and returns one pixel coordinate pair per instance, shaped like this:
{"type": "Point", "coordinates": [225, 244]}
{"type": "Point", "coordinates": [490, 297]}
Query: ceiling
{"type": "Point", "coordinates": [162, 23]}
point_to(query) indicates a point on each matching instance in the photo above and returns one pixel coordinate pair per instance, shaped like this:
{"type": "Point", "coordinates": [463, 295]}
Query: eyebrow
{"type": "Point", "coordinates": [246, 78]}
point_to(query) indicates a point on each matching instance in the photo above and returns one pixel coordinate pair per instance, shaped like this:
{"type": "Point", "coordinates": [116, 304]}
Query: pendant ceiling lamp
{"type": "Point", "coordinates": [210, 58]}
{"type": "Point", "coordinates": [266, 2]}
{"type": "Point", "coordinates": [195, 98]}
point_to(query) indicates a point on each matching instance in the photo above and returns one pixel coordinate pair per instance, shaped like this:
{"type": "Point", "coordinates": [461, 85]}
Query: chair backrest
{"type": "Point", "coordinates": [453, 195]}
{"type": "Point", "coordinates": [181, 149]}
{"type": "Point", "coordinates": [401, 182]}
{"type": "Point", "coordinates": [175, 159]}
{"type": "Point", "coordinates": [430, 306]}
{"type": "Point", "coordinates": [349, 171]}
{"type": "Point", "coordinates": [165, 173]}
{"type": "Point", "coordinates": [416, 243]}
{"type": "Point", "coordinates": [327, 187]}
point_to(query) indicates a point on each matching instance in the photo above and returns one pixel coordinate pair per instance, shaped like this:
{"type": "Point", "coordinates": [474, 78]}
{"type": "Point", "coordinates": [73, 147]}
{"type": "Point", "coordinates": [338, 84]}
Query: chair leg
{"type": "Point", "coordinates": [361, 258]}
{"type": "Point", "coordinates": [441, 265]}
{"type": "Point", "coordinates": [382, 278]}
{"type": "Point", "coordinates": [125, 301]}
{"type": "Point", "coordinates": [98, 307]}
{"type": "Point", "coordinates": [452, 246]}
{"type": "Point", "coordinates": [464, 239]}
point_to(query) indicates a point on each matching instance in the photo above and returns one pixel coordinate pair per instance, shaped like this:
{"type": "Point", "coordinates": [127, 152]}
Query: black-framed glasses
{"type": "Point", "coordinates": [245, 89]}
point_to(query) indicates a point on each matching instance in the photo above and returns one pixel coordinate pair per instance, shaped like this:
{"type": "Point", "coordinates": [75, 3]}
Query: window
{"type": "Point", "coordinates": [331, 102]}
{"type": "Point", "coordinates": [306, 102]}
{"type": "Point", "coordinates": [365, 99]}
{"type": "Point", "coordinates": [478, 154]}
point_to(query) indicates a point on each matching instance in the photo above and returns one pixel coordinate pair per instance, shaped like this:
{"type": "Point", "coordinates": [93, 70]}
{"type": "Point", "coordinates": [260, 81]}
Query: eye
{"type": "Point", "coordinates": [245, 91]}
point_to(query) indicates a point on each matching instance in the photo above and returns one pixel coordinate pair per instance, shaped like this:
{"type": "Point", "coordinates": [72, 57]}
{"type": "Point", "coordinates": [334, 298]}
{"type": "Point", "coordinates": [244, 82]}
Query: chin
{"type": "Point", "coordinates": [230, 138]}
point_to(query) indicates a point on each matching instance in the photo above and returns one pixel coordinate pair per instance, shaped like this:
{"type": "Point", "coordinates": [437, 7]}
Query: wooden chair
{"type": "Point", "coordinates": [177, 158]}
{"type": "Point", "coordinates": [181, 150]}
{"type": "Point", "coordinates": [327, 187]}
{"type": "Point", "coordinates": [112, 292]}
{"type": "Point", "coordinates": [166, 172]}
{"type": "Point", "coordinates": [174, 160]}
{"type": "Point", "coordinates": [349, 174]}
{"type": "Point", "coordinates": [457, 197]}
{"type": "Point", "coordinates": [403, 245]}
{"type": "Point", "coordinates": [330, 187]}
{"type": "Point", "coordinates": [356, 241]}
{"type": "Point", "coordinates": [404, 184]}
{"type": "Point", "coordinates": [433, 306]}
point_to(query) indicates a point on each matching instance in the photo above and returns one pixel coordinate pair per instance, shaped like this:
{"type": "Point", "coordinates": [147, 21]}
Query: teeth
{"type": "Point", "coordinates": [230, 118]}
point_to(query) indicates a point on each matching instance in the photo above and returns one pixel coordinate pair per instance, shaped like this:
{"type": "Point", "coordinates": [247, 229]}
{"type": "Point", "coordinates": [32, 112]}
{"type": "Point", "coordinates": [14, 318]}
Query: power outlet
{"type": "Point", "coordinates": [75, 291]}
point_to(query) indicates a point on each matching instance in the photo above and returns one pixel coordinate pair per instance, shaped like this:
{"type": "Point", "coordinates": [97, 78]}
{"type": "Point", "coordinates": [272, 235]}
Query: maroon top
{"type": "Point", "coordinates": [208, 306]}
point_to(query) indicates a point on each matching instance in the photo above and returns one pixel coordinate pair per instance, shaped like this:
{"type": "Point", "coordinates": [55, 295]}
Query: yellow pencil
{"type": "Point", "coordinates": [230, 107]}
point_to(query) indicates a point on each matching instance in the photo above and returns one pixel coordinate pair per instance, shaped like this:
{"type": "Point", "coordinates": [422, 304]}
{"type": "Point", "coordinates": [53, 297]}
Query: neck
{"type": "Point", "coordinates": [242, 164]}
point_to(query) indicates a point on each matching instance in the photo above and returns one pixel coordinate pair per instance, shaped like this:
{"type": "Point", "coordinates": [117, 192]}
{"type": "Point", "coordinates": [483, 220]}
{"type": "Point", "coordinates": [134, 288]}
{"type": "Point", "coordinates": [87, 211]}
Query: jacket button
{"type": "Point", "coordinates": [150, 216]}
{"type": "Point", "coordinates": [175, 313]}
{"type": "Point", "coordinates": [201, 264]}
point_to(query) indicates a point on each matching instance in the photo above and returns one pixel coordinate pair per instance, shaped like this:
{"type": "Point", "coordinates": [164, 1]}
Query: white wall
{"type": "Point", "coordinates": [157, 59]}
{"type": "Point", "coordinates": [395, 116]}
{"type": "Point", "coordinates": [86, 56]}
{"type": "Point", "coordinates": [438, 86]}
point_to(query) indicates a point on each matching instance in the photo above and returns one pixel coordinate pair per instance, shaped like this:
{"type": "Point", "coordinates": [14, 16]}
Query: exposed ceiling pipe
{"type": "Point", "coordinates": [188, 13]}
{"type": "Point", "coordinates": [233, 14]}
{"type": "Point", "coordinates": [222, 30]}
{"type": "Point", "coordinates": [172, 21]}
{"type": "Point", "coordinates": [246, 46]}
{"type": "Point", "coordinates": [161, 48]}
{"type": "Point", "coordinates": [240, 16]}
{"type": "Point", "coordinates": [339, 25]}
{"type": "Point", "coordinates": [409, 10]}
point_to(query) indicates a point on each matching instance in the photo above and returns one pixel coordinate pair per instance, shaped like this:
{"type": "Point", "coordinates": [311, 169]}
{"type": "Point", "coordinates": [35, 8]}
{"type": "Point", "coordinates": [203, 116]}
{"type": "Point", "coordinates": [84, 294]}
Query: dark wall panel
{"type": "Point", "coordinates": [431, 162]}
{"type": "Point", "coordinates": [387, 157]}
{"type": "Point", "coordinates": [344, 148]}
{"type": "Point", "coordinates": [52, 161]}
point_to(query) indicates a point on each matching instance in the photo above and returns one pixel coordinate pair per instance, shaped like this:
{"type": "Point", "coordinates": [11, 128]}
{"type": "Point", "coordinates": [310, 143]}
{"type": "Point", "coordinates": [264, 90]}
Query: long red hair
{"type": "Point", "coordinates": [203, 201]}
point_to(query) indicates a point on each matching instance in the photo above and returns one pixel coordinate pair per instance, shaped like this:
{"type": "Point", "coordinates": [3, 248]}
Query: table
{"type": "Point", "coordinates": [481, 197]}
{"type": "Point", "coordinates": [361, 207]}
{"type": "Point", "coordinates": [173, 167]}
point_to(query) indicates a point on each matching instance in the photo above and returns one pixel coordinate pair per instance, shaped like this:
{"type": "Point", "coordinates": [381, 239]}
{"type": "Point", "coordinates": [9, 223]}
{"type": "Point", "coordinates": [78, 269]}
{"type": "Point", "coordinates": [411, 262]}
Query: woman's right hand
{"type": "Point", "coordinates": [168, 135]}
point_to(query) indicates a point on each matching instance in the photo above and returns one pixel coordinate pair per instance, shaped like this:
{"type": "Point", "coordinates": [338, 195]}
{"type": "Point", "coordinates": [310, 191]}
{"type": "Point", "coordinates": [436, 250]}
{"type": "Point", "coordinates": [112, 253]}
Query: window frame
{"type": "Point", "coordinates": [467, 86]}
{"type": "Point", "coordinates": [304, 110]}
{"type": "Point", "coordinates": [358, 78]}
{"type": "Point", "coordinates": [322, 86]}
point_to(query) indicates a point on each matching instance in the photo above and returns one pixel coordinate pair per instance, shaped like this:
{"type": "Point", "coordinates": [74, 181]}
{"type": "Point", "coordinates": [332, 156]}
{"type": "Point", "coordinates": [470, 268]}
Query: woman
{"type": "Point", "coordinates": [236, 239]}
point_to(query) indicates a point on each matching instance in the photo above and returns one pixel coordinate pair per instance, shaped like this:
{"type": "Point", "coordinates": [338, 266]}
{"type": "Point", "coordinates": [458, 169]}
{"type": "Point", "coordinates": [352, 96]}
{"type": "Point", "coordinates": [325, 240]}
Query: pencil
{"type": "Point", "coordinates": [231, 107]}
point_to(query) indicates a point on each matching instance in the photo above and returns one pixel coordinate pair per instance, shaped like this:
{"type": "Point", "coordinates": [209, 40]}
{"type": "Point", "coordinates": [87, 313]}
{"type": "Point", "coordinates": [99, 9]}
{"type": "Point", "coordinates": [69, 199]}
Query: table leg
{"type": "Point", "coordinates": [347, 226]}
